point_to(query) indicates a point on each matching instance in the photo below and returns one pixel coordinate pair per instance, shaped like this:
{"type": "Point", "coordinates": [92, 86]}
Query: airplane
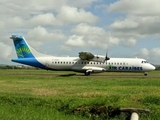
{"type": "Point", "coordinates": [86, 63]}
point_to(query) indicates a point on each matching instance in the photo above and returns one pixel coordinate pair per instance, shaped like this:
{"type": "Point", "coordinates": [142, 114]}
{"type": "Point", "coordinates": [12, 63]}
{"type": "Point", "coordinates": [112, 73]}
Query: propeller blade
{"type": "Point", "coordinates": [106, 57]}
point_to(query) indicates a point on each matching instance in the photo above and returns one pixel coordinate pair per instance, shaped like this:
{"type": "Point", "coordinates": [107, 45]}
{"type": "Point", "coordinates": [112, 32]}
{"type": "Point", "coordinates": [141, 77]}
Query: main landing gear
{"type": "Point", "coordinates": [87, 73]}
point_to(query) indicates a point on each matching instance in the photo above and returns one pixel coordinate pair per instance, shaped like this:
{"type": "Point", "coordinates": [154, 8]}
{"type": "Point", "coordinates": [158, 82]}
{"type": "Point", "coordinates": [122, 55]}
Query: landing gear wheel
{"type": "Point", "coordinates": [87, 73]}
{"type": "Point", "coordinates": [145, 73]}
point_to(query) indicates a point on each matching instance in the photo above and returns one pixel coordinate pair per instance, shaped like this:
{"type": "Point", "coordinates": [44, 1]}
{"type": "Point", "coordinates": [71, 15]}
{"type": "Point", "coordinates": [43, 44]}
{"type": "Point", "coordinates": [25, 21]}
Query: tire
{"type": "Point", "coordinates": [87, 73]}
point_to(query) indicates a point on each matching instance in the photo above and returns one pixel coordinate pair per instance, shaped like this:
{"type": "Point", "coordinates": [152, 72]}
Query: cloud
{"type": "Point", "coordinates": [125, 24]}
{"type": "Point", "coordinates": [139, 19]}
{"type": "Point", "coordinates": [99, 38]}
{"type": "Point", "coordinates": [85, 29]}
{"type": "Point", "coordinates": [2, 26]}
{"type": "Point", "coordinates": [151, 55]}
{"type": "Point", "coordinates": [142, 25]}
{"type": "Point", "coordinates": [129, 43]}
{"type": "Point", "coordinates": [138, 7]}
{"type": "Point", "coordinates": [81, 3]}
{"type": "Point", "coordinates": [65, 48]}
{"type": "Point", "coordinates": [39, 32]}
{"type": "Point", "coordinates": [14, 22]}
{"type": "Point", "coordinates": [65, 15]}
{"type": "Point", "coordinates": [5, 51]}
{"type": "Point", "coordinates": [43, 19]}
{"type": "Point", "coordinates": [42, 34]}
{"type": "Point", "coordinates": [96, 37]}
{"type": "Point", "coordinates": [35, 7]}
{"type": "Point", "coordinates": [69, 14]}
{"type": "Point", "coordinates": [138, 22]}
{"type": "Point", "coordinates": [39, 35]}
{"type": "Point", "coordinates": [76, 41]}
{"type": "Point", "coordinates": [73, 25]}
{"type": "Point", "coordinates": [93, 37]}
{"type": "Point", "coordinates": [50, 12]}
{"type": "Point", "coordinates": [25, 8]}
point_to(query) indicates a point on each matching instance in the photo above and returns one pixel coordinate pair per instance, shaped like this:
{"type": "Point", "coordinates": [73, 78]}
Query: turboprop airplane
{"type": "Point", "coordinates": [86, 63]}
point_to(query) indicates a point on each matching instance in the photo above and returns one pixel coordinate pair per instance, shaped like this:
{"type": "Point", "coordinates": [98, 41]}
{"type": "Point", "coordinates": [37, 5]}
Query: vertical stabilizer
{"type": "Point", "coordinates": [26, 54]}
{"type": "Point", "coordinates": [22, 48]}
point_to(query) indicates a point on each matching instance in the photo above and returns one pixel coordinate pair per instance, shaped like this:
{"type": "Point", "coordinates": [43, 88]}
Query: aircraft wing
{"type": "Point", "coordinates": [90, 57]}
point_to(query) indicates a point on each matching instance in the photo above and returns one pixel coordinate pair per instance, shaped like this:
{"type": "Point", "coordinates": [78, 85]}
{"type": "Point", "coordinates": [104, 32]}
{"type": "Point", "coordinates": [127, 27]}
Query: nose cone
{"type": "Point", "coordinates": [148, 67]}
{"type": "Point", "coordinates": [152, 67]}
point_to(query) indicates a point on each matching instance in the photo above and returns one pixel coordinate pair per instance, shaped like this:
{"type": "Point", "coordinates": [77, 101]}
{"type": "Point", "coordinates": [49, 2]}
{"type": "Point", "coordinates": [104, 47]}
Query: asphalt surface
{"type": "Point", "coordinates": [92, 75]}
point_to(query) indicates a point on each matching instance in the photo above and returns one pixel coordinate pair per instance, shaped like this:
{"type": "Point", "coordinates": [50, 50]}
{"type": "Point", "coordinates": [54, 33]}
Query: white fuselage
{"type": "Point", "coordinates": [114, 64]}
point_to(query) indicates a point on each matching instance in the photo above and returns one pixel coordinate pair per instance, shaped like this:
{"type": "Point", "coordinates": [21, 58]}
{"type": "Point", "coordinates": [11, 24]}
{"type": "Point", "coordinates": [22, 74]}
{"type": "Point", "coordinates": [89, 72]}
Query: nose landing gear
{"type": "Point", "coordinates": [145, 73]}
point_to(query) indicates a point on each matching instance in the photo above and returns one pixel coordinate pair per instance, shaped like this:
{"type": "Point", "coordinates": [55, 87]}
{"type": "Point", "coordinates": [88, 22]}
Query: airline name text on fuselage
{"type": "Point", "coordinates": [125, 68]}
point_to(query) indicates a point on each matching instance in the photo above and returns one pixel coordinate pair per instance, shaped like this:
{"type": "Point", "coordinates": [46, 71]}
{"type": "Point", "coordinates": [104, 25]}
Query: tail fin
{"type": "Point", "coordinates": [22, 48]}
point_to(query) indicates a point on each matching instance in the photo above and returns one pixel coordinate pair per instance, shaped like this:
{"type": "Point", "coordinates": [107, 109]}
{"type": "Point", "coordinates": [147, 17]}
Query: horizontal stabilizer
{"type": "Point", "coordinates": [16, 37]}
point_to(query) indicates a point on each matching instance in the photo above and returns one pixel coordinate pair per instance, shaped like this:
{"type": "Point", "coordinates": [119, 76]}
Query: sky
{"type": "Point", "coordinates": [123, 28]}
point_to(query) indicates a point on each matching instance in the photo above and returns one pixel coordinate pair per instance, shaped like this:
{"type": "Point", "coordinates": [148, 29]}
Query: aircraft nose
{"type": "Point", "coordinates": [152, 67]}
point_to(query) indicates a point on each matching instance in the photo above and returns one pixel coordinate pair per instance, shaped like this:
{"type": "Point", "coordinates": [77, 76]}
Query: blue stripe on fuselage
{"type": "Point", "coordinates": [31, 62]}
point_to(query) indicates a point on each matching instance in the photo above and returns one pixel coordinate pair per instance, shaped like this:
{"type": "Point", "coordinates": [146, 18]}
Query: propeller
{"type": "Point", "coordinates": [106, 57]}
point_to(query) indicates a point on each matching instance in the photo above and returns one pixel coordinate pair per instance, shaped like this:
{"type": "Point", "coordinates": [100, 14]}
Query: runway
{"type": "Point", "coordinates": [119, 75]}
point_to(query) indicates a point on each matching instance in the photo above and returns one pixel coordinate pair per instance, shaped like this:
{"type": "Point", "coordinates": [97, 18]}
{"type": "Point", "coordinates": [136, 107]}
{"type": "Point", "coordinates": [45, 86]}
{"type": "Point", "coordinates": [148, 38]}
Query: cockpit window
{"type": "Point", "coordinates": [144, 62]}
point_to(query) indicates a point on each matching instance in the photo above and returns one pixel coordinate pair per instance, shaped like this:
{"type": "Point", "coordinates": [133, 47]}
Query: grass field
{"type": "Point", "coordinates": [50, 95]}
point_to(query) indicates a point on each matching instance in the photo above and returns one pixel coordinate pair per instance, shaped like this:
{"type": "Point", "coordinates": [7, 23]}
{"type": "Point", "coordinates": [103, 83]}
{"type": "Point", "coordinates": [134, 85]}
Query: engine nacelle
{"type": "Point", "coordinates": [86, 55]}
{"type": "Point", "coordinates": [89, 56]}
{"type": "Point", "coordinates": [98, 58]}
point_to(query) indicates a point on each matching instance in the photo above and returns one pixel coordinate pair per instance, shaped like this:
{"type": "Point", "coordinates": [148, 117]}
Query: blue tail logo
{"type": "Point", "coordinates": [21, 46]}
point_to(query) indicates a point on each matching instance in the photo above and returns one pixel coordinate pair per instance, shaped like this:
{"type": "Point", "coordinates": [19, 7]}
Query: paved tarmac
{"type": "Point", "coordinates": [92, 75]}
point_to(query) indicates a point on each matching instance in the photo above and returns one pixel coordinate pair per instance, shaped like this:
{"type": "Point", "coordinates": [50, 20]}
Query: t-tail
{"type": "Point", "coordinates": [26, 54]}
{"type": "Point", "coordinates": [22, 48]}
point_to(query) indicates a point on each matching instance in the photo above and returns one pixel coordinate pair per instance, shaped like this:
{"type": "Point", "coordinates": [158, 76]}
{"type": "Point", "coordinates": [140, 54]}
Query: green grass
{"type": "Point", "coordinates": [46, 95]}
